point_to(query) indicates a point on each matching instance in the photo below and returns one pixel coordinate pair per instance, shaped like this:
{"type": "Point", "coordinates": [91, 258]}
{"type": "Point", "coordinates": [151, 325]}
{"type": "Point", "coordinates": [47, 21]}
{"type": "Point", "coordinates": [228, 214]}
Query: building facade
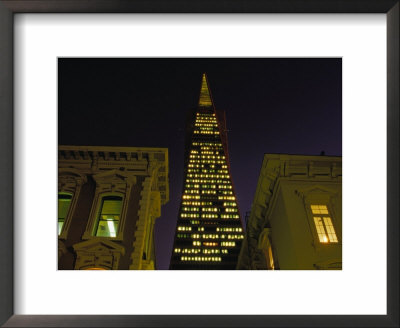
{"type": "Point", "coordinates": [296, 216]}
{"type": "Point", "coordinates": [108, 201]}
{"type": "Point", "coordinates": [209, 231]}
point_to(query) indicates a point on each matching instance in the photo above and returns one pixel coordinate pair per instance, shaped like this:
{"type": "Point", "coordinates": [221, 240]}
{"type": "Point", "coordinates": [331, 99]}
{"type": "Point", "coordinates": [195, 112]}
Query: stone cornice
{"type": "Point", "coordinates": [135, 160]}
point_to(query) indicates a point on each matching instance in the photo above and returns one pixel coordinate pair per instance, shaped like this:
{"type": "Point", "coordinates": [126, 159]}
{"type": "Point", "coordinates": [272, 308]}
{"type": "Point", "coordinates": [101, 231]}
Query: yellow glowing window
{"type": "Point", "coordinates": [109, 217]}
{"type": "Point", "coordinates": [319, 209]}
{"type": "Point", "coordinates": [64, 201]}
{"type": "Point", "coordinates": [323, 224]}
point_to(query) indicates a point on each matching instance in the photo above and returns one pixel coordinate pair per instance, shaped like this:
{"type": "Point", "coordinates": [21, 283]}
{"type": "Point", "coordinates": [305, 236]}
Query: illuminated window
{"type": "Point", "coordinates": [323, 224]}
{"type": "Point", "coordinates": [64, 202]}
{"type": "Point", "coordinates": [109, 216]}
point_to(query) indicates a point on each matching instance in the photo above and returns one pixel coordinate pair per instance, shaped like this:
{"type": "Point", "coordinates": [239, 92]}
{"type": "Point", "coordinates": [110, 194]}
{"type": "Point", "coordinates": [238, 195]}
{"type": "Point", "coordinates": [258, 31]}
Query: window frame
{"type": "Point", "coordinates": [110, 183]}
{"type": "Point", "coordinates": [71, 194]}
{"type": "Point", "coordinates": [322, 217]}
{"type": "Point", "coordinates": [69, 181]}
{"type": "Point", "coordinates": [315, 237]}
{"type": "Point", "coordinates": [102, 198]}
{"type": "Point", "coordinates": [318, 194]}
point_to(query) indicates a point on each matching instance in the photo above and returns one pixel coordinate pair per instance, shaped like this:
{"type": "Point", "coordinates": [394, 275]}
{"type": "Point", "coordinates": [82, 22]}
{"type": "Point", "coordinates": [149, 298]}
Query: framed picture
{"type": "Point", "coordinates": [28, 295]}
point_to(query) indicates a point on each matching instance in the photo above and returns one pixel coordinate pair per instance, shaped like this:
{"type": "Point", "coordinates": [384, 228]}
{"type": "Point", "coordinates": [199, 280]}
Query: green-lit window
{"type": "Point", "coordinates": [64, 202]}
{"type": "Point", "coordinates": [323, 224]}
{"type": "Point", "coordinates": [109, 216]}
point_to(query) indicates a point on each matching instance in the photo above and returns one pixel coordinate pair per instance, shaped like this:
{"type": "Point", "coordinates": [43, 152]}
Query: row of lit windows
{"type": "Point", "coordinates": [201, 175]}
{"type": "Point", "coordinates": [206, 144]}
{"type": "Point", "coordinates": [213, 192]}
{"type": "Point", "coordinates": [200, 170]}
{"type": "Point", "coordinates": [204, 114]}
{"type": "Point", "coordinates": [205, 132]}
{"type": "Point", "coordinates": [214, 236]}
{"type": "Point", "coordinates": [227, 229]}
{"type": "Point", "coordinates": [188, 215]}
{"type": "Point", "coordinates": [208, 186]}
{"type": "Point", "coordinates": [226, 197]}
{"type": "Point", "coordinates": [213, 156]}
{"type": "Point", "coordinates": [224, 187]}
{"type": "Point", "coordinates": [206, 209]}
{"type": "Point", "coordinates": [234, 236]}
{"type": "Point", "coordinates": [228, 243]}
{"type": "Point", "coordinates": [206, 152]}
{"type": "Point", "coordinates": [205, 161]}
{"type": "Point", "coordinates": [200, 258]}
{"type": "Point", "coordinates": [208, 191]}
{"type": "Point", "coordinates": [207, 181]}
{"type": "Point", "coordinates": [205, 186]}
{"type": "Point", "coordinates": [201, 124]}
{"type": "Point", "coordinates": [184, 228]}
{"type": "Point", "coordinates": [190, 209]}
{"type": "Point", "coordinates": [211, 166]}
{"type": "Point", "coordinates": [229, 216]}
{"type": "Point", "coordinates": [211, 251]}
{"type": "Point", "coordinates": [229, 204]}
{"type": "Point", "coordinates": [190, 197]}
{"type": "Point", "coordinates": [187, 250]}
{"type": "Point", "coordinates": [202, 165]}
{"type": "Point", "coordinates": [230, 229]}
{"type": "Point", "coordinates": [209, 216]}
{"type": "Point", "coordinates": [207, 243]}
{"type": "Point", "coordinates": [210, 236]}
{"type": "Point", "coordinates": [205, 117]}
{"type": "Point", "coordinates": [206, 120]}
{"type": "Point", "coordinates": [213, 149]}
{"type": "Point", "coordinates": [192, 191]}
{"type": "Point", "coordinates": [209, 209]}
{"type": "Point", "coordinates": [196, 203]}
{"type": "Point", "coordinates": [203, 128]}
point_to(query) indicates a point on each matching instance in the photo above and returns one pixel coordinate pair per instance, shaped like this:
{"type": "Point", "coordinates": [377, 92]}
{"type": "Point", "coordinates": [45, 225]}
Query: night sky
{"type": "Point", "coordinates": [290, 106]}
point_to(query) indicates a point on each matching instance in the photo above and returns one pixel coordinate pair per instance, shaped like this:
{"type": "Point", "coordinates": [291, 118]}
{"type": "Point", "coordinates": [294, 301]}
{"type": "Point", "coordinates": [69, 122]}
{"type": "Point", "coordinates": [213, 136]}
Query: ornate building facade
{"type": "Point", "coordinates": [296, 216]}
{"type": "Point", "coordinates": [209, 231]}
{"type": "Point", "coordinates": [108, 201]}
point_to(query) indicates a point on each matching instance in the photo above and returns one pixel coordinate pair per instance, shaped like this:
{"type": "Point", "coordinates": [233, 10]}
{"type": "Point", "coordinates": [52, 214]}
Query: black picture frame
{"type": "Point", "coordinates": [10, 7]}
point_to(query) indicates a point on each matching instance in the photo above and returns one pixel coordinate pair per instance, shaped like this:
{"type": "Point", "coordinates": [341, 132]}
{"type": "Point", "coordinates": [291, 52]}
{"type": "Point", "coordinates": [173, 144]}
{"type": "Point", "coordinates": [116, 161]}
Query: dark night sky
{"type": "Point", "coordinates": [272, 106]}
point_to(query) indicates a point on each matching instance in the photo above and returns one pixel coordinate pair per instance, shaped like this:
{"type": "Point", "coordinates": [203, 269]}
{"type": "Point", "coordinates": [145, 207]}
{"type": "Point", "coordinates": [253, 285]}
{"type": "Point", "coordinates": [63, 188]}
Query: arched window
{"type": "Point", "coordinates": [109, 216]}
{"type": "Point", "coordinates": [64, 202]}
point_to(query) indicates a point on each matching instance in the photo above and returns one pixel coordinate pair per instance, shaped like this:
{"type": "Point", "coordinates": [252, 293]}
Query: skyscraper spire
{"type": "Point", "coordinates": [205, 96]}
{"type": "Point", "coordinates": [209, 232]}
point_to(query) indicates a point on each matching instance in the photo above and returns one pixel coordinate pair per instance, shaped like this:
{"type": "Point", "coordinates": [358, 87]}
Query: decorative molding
{"type": "Point", "coordinates": [149, 210]}
{"type": "Point", "coordinates": [99, 253]}
{"type": "Point", "coordinates": [109, 183]}
{"type": "Point", "coordinates": [138, 161]}
{"type": "Point", "coordinates": [143, 217]}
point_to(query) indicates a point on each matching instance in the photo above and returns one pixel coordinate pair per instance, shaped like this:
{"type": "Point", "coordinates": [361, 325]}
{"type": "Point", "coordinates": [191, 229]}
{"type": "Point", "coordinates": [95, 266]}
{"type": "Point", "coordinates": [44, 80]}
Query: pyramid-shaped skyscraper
{"type": "Point", "coordinates": [209, 231]}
